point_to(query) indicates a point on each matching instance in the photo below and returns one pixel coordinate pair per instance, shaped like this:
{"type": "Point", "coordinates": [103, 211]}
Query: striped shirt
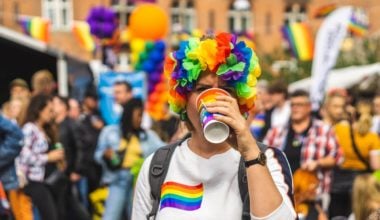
{"type": "Point", "coordinates": [319, 142]}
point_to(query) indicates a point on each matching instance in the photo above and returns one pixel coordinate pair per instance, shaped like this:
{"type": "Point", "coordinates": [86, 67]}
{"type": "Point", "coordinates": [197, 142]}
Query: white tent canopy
{"type": "Point", "coordinates": [340, 78]}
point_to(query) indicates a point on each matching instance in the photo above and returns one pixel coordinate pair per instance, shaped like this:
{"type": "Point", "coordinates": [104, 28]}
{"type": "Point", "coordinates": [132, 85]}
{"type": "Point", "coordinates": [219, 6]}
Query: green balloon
{"type": "Point", "coordinates": [149, 45]}
{"type": "Point", "coordinates": [143, 56]}
{"type": "Point", "coordinates": [138, 66]}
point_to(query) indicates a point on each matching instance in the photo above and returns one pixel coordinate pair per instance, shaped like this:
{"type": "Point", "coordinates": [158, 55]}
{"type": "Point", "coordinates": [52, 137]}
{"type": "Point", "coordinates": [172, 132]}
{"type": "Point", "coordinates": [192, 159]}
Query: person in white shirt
{"type": "Point", "coordinates": [281, 110]}
{"type": "Point", "coordinates": [202, 178]}
{"type": "Point", "coordinates": [376, 118]}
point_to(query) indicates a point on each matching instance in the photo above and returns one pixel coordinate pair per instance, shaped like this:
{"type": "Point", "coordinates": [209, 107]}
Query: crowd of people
{"type": "Point", "coordinates": [59, 160]}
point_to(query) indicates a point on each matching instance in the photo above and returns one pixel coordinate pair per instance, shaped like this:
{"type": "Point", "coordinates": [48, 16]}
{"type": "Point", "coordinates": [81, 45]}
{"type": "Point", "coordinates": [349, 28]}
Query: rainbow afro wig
{"type": "Point", "coordinates": [232, 61]}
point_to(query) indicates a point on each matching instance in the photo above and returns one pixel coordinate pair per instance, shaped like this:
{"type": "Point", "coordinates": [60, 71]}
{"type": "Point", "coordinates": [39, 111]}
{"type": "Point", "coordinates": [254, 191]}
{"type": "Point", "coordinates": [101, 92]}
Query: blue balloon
{"type": "Point", "coordinates": [148, 66]}
{"type": "Point", "coordinates": [156, 56]}
{"type": "Point", "coordinates": [160, 46]}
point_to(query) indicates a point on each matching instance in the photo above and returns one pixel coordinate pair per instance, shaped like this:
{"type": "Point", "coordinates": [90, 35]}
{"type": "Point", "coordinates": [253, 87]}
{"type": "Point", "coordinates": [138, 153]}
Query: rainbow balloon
{"type": "Point", "coordinates": [36, 27]}
{"type": "Point", "coordinates": [148, 56]}
{"type": "Point", "coordinates": [81, 31]}
{"type": "Point", "coordinates": [300, 40]}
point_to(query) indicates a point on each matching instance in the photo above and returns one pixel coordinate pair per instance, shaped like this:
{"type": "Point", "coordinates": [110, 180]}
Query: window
{"type": "Point", "coordinates": [182, 15]}
{"type": "Point", "coordinates": [231, 22]}
{"type": "Point", "coordinates": [1, 12]}
{"type": "Point", "coordinates": [59, 12]}
{"type": "Point", "coordinates": [268, 23]}
{"type": "Point", "coordinates": [123, 9]}
{"type": "Point", "coordinates": [175, 4]}
{"type": "Point", "coordinates": [16, 11]}
{"type": "Point", "coordinates": [239, 19]}
{"type": "Point", "coordinates": [295, 13]}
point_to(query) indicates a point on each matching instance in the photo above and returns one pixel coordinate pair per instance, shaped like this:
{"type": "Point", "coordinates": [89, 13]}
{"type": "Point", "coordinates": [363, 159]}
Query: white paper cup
{"type": "Point", "coordinates": [216, 132]}
{"type": "Point", "coordinates": [213, 130]}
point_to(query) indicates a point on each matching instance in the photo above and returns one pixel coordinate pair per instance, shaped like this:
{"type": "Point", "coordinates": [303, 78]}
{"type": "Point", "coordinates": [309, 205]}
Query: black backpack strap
{"type": "Point", "coordinates": [243, 184]}
{"type": "Point", "coordinates": [157, 173]}
{"type": "Point", "coordinates": [356, 150]}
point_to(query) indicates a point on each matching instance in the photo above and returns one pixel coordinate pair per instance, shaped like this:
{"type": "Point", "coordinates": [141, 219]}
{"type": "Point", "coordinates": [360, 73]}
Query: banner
{"type": "Point", "coordinates": [328, 42]}
{"type": "Point", "coordinates": [36, 27]}
{"type": "Point", "coordinates": [300, 40]}
{"type": "Point", "coordinates": [110, 110]}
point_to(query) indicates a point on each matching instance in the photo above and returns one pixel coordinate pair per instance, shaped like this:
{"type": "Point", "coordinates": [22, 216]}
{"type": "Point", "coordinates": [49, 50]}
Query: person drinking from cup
{"type": "Point", "coordinates": [202, 176]}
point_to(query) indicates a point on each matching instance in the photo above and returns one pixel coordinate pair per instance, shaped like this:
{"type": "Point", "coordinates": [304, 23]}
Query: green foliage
{"type": "Point", "coordinates": [361, 52]}
{"type": "Point", "coordinates": [355, 51]}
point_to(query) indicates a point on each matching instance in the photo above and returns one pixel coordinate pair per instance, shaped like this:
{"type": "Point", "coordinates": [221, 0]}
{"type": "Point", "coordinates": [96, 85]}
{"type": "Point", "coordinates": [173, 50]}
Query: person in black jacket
{"type": "Point", "coordinates": [68, 135]}
{"type": "Point", "coordinates": [90, 124]}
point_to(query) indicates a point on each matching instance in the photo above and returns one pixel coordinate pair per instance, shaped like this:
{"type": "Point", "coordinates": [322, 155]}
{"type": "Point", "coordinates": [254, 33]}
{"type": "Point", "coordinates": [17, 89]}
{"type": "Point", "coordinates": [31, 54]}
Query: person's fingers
{"type": "Point", "coordinates": [234, 123]}
{"type": "Point", "coordinates": [226, 119]}
{"type": "Point", "coordinates": [221, 110]}
{"type": "Point", "coordinates": [228, 99]}
{"type": "Point", "coordinates": [218, 103]}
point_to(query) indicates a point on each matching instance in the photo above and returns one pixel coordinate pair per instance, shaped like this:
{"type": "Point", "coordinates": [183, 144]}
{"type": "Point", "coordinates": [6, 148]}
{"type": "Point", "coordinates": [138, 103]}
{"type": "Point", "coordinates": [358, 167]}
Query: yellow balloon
{"type": "Point", "coordinates": [125, 36]}
{"type": "Point", "coordinates": [137, 45]}
{"type": "Point", "coordinates": [134, 58]}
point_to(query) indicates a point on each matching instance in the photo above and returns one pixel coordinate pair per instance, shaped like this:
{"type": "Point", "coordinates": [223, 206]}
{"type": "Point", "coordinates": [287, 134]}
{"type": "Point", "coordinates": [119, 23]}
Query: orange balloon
{"type": "Point", "coordinates": [161, 87]}
{"type": "Point", "coordinates": [153, 98]}
{"type": "Point", "coordinates": [149, 22]}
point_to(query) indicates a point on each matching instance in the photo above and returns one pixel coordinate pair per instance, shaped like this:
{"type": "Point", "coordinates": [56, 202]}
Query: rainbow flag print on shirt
{"type": "Point", "coordinates": [180, 196]}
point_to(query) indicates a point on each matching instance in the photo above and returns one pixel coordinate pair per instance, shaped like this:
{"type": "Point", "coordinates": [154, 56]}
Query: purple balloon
{"type": "Point", "coordinates": [102, 22]}
{"type": "Point", "coordinates": [107, 30]}
{"type": "Point", "coordinates": [150, 88]}
{"type": "Point", "coordinates": [154, 77]}
{"type": "Point", "coordinates": [160, 66]}
{"type": "Point", "coordinates": [109, 16]}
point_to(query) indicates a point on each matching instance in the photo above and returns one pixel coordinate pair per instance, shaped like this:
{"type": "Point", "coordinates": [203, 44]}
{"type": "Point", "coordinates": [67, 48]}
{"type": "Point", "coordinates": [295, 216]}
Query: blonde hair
{"type": "Point", "coordinates": [10, 113]}
{"type": "Point", "coordinates": [339, 93]}
{"type": "Point", "coordinates": [365, 196]}
{"type": "Point", "coordinates": [364, 124]}
{"type": "Point", "coordinates": [42, 81]}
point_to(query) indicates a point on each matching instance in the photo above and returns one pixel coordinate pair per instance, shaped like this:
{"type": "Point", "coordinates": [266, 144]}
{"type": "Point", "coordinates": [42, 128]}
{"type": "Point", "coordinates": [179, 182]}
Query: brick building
{"type": "Point", "coordinates": [262, 17]}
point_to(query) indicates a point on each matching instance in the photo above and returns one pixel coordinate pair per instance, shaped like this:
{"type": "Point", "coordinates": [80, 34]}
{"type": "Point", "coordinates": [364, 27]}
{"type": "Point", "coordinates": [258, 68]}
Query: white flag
{"type": "Point", "coordinates": [328, 42]}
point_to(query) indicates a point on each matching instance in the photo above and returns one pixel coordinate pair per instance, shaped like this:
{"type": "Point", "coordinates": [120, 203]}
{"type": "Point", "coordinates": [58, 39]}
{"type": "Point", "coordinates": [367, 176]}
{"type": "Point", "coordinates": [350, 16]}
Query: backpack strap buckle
{"type": "Point", "coordinates": [157, 170]}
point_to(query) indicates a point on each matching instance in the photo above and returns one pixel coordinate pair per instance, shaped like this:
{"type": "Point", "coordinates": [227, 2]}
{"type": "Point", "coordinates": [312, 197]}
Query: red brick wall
{"type": "Point", "coordinates": [266, 42]}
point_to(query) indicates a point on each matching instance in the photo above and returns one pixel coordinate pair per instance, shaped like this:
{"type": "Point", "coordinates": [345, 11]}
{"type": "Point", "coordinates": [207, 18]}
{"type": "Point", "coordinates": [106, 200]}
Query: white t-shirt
{"type": "Point", "coordinates": [376, 124]}
{"type": "Point", "coordinates": [199, 188]}
{"type": "Point", "coordinates": [280, 116]}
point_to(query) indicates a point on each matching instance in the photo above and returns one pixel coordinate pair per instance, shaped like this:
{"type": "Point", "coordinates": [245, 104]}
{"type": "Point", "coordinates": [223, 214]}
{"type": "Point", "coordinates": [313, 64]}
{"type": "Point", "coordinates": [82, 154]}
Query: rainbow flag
{"type": "Point", "coordinates": [357, 25]}
{"type": "Point", "coordinates": [35, 27]}
{"type": "Point", "coordinates": [300, 40]}
{"type": "Point", "coordinates": [180, 196]}
{"type": "Point", "coordinates": [81, 31]}
{"type": "Point", "coordinates": [325, 10]}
